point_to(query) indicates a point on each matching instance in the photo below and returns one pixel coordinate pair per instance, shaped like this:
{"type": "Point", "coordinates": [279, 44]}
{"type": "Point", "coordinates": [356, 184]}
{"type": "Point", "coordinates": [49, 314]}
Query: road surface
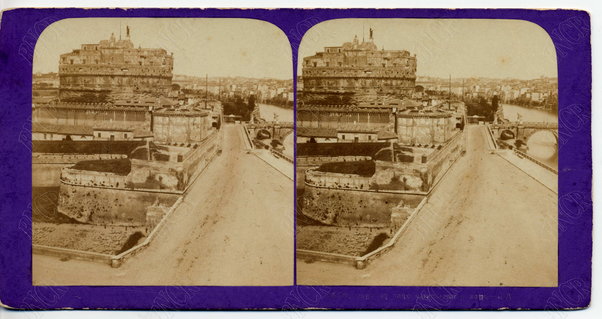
{"type": "Point", "coordinates": [234, 227]}
{"type": "Point", "coordinates": [486, 224]}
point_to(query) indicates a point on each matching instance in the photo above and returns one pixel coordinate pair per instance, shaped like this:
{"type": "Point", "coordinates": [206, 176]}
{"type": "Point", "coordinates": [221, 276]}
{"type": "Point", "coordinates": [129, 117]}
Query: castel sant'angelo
{"type": "Point", "coordinates": [129, 142]}
{"type": "Point", "coordinates": [114, 67]}
{"type": "Point", "coordinates": [357, 68]}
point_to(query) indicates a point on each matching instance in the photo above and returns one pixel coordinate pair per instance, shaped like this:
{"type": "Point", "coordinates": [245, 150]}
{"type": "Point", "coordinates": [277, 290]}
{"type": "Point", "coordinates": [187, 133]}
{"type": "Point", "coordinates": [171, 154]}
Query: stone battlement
{"type": "Point", "coordinates": [93, 178]}
{"type": "Point", "coordinates": [56, 158]}
{"type": "Point", "coordinates": [351, 72]}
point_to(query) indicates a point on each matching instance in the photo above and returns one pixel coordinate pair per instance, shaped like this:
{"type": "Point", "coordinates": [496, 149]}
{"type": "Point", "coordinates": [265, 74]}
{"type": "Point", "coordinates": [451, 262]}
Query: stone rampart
{"type": "Point", "coordinates": [107, 206]}
{"type": "Point", "coordinates": [382, 199]}
{"type": "Point", "coordinates": [109, 198]}
{"type": "Point", "coordinates": [353, 207]}
{"type": "Point", "coordinates": [78, 177]}
{"type": "Point", "coordinates": [319, 160]}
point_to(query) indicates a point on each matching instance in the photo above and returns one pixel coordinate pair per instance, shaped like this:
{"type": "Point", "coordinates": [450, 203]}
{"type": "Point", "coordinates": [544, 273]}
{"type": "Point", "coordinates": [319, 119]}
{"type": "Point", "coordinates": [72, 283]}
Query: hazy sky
{"type": "Point", "coordinates": [218, 47]}
{"type": "Point", "coordinates": [460, 47]}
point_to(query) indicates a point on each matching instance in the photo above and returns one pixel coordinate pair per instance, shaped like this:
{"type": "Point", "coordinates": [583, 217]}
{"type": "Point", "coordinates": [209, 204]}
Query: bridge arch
{"type": "Point", "coordinates": [263, 133]}
{"type": "Point", "coordinates": [284, 133]}
{"type": "Point", "coordinates": [531, 132]}
{"type": "Point", "coordinates": [524, 130]}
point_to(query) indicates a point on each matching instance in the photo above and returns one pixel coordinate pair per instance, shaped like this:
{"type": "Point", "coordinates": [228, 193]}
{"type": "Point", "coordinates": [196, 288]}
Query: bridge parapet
{"type": "Point", "coordinates": [536, 125]}
{"type": "Point", "coordinates": [524, 130]}
{"type": "Point", "coordinates": [271, 124]}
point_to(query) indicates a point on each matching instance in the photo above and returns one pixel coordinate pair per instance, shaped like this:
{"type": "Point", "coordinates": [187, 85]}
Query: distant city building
{"type": "Point", "coordinates": [359, 68]}
{"type": "Point", "coordinates": [114, 67]}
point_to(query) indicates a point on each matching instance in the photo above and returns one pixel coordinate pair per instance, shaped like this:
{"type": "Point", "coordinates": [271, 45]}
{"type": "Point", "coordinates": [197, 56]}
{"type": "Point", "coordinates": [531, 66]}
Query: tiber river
{"type": "Point", "coordinates": [542, 145]}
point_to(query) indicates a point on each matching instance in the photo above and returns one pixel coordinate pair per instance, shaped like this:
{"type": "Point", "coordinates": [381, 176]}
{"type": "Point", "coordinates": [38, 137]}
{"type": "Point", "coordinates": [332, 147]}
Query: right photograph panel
{"type": "Point", "coordinates": [427, 153]}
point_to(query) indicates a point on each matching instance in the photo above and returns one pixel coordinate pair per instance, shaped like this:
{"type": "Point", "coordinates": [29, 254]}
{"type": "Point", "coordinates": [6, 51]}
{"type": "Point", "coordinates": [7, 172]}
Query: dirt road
{"type": "Point", "coordinates": [235, 227]}
{"type": "Point", "coordinates": [486, 224]}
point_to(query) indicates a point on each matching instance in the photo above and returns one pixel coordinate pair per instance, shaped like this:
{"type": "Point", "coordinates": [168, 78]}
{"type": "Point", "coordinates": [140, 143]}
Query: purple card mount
{"type": "Point", "coordinates": [295, 159]}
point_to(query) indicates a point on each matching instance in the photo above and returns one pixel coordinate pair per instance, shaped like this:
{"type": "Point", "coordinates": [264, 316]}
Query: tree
{"type": "Point", "coordinates": [251, 104]}
{"type": "Point", "coordinates": [495, 103]}
{"type": "Point", "coordinates": [481, 108]}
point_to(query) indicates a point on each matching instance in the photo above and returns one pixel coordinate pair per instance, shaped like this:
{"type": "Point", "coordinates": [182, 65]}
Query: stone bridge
{"type": "Point", "coordinates": [524, 130]}
{"type": "Point", "coordinates": [275, 130]}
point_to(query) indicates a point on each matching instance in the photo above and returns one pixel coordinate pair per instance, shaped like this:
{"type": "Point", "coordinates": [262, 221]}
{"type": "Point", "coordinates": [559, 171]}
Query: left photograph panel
{"type": "Point", "coordinates": [162, 153]}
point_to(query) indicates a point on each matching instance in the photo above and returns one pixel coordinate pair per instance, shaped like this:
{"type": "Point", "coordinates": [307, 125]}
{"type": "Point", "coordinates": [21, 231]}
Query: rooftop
{"type": "Point", "coordinates": [61, 129]}
{"type": "Point", "coordinates": [182, 111]}
{"type": "Point", "coordinates": [85, 147]}
{"type": "Point", "coordinates": [88, 106]}
{"type": "Point", "coordinates": [425, 112]}
{"type": "Point", "coordinates": [316, 132]}
{"type": "Point", "coordinates": [346, 107]}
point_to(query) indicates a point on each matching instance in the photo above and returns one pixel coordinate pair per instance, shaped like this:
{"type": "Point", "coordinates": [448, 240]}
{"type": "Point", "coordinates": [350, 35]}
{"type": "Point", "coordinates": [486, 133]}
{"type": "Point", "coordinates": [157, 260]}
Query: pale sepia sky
{"type": "Point", "coordinates": [460, 47]}
{"type": "Point", "coordinates": [218, 47]}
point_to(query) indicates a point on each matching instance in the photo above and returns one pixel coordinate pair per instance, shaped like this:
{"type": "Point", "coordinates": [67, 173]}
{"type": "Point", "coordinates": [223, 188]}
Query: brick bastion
{"type": "Point", "coordinates": [124, 191]}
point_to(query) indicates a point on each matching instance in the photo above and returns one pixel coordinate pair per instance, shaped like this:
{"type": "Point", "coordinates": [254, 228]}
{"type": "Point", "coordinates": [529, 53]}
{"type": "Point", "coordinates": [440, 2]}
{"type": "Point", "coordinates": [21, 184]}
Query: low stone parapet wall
{"type": "Point", "coordinates": [336, 180]}
{"type": "Point", "coordinates": [444, 158]}
{"type": "Point", "coordinates": [200, 157]}
{"type": "Point", "coordinates": [65, 253]}
{"type": "Point", "coordinates": [492, 140]}
{"type": "Point", "coordinates": [92, 178]}
{"type": "Point", "coordinates": [534, 160]}
{"type": "Point", "coordinates": [312, 255]}
{"type": "Point", "coordinates": [281, 155]}
{"type": "Point", "coordinates": [319, 160]}
{"type": "Point", "coordinates": [57, 158]}
{"type": "Point", "coordinates": [46, 167]}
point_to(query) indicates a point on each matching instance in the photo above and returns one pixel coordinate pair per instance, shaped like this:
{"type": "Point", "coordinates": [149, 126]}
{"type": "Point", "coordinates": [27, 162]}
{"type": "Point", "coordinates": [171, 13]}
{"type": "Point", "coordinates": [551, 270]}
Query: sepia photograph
{"type": "Point", "coordinates": [427, 153]}
{"type": "Point", "coordinates": [294, 159]}
{"type": "Point", "coordinates": [162, 153]}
